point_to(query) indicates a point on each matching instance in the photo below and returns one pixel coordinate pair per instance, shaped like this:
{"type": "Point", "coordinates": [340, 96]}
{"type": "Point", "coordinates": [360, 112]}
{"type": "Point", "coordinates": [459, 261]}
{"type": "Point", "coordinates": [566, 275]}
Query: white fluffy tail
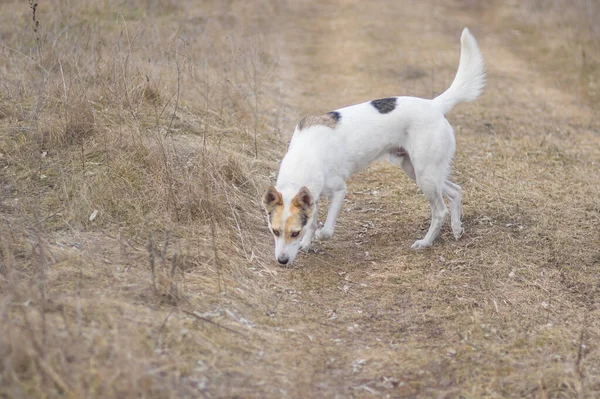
{"type": "Point", "coordinates": [470, 77]}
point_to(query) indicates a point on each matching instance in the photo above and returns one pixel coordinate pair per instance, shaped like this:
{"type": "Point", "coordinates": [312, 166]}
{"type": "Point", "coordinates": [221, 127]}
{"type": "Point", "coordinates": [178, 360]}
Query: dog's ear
{"type": "Point", "coordinates": [303, 200]}
{"type": "Point", "coordinates": [271, 199]}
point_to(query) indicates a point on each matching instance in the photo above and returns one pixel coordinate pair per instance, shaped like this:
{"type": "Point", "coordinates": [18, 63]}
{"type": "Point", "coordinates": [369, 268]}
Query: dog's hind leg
{"type": "Point", "coordinates": [431, 155]}
{"type": "Point", "coordinates": [433, 192]}
{"type": "Point", "coordinates": [335, 207]}
{"type": "Point", "coordinates": [432, 188]}
{"type": "Point", "coordinates": [451, 190]}
{"type": "Point", "coordinates": [454, 194]}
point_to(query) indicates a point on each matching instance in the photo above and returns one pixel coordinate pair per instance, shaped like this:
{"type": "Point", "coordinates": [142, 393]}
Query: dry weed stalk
{"type": "Point", "coordinates": [164, 287]}
{"type": "Point", "coordinates": [178, 90]}
{"type": "Point", "coordinates": [41, 283]}
{"type": "Point", "coordinates": [257, 69]}
{"type": "Point", "coordinates": [207, 320]}
{"type": "Point", "coordinates": [152, 264]}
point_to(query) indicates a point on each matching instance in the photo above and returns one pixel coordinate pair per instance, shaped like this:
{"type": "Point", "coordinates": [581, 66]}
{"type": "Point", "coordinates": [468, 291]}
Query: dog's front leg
{"type": "Point", "coordinates": [306, 243]}
{"type": "Point", "coordinates": [335, 207]}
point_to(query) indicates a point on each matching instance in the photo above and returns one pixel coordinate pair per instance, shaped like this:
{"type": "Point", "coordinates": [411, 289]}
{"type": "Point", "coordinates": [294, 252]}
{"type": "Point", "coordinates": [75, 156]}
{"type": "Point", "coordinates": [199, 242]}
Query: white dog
{"type": "Point", "coordinates": [407, 131]}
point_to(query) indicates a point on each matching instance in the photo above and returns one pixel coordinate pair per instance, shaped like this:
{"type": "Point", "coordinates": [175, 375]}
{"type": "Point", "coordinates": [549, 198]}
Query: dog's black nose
{"type": "Point", "coordinates": [283, 261]}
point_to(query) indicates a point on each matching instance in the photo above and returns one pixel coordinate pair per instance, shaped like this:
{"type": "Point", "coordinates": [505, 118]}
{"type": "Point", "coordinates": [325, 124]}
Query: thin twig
{"type": "Point", "coordinates": [79, 311]}
{"type": "Point", "coordinates": [151, 260]}
{"type": "Point", "coordinates": [163, 254]}
{"type": "Point", "coordinates": [213, 323]}
{"type": "Point", "coordinates": [173, 266]}
{"type": "Point", "coordinates": [237, 224]}
{"type": "Point", "coordinates": [173, 288]}
{"type": "Point", "coordinates": [215, 252]}
{"type": "Point", "coordinates": [28, 57]}
{"type": "Point", "coordinates": [178, 91]}
{"type": "Point", "coordinates": [272, 310]}
{"type": "Point", "coordinates": [54, 377]}
{"type": "Point", "coordinates": [46, 218]}
{"type": "Point", "coordinates": [164, 323]}
{"type": "Point", "coordinates": [42, 290]}
{"type": "Point", "coordinates": [66, 321]}
{"type": "Point", "coordinates": [581, 352]}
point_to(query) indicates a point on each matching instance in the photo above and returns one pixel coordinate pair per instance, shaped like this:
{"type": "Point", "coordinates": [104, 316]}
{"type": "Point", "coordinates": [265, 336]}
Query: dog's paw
{"type": "Point", "coordinates": [306, 248]}
{"type": "Point", "coordinates": [457, 232]}
{"type": "Point", "coordinates": [310, 250]}
{"type": "Point", "coordinates": [306, 243]}
{"type": "Point", "coordinates": [420, 244]}
{"type": "Point", "coordinates": [324, 234]}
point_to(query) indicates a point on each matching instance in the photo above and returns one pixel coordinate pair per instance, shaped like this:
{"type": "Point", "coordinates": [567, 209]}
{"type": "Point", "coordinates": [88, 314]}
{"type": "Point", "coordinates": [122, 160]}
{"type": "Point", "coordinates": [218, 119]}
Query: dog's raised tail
{"type": "Point", "coordinates": [470, 77]}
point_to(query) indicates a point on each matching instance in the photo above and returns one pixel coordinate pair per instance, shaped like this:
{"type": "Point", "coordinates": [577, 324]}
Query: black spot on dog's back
{"type": "Point", "coordinates": [384, 105]}
{"type": "Point", "coordinates": [335, 115]}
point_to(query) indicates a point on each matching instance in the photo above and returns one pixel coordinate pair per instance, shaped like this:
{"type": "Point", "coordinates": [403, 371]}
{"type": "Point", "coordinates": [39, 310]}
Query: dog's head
{"type": "Point", "coordinates": [288, 220]}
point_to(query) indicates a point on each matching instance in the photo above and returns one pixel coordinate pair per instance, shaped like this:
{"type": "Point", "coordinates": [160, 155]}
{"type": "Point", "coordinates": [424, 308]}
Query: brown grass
{"type": "Point", "coordinates": [136, 139]}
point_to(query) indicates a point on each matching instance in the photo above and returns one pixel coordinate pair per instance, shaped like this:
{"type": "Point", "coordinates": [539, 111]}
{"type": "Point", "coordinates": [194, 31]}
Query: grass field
{"type": "Point", "coordinates": [137, 137]}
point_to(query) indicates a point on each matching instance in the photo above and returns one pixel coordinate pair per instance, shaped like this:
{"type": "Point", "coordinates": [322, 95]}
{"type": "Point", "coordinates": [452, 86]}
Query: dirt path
{"type": "Point", "coordinates": [498, 313]}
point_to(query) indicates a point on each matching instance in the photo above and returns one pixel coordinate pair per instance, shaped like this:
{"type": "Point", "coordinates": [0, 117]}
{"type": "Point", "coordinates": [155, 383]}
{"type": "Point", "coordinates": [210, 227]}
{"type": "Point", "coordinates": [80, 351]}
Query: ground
{"type": "Point", "coordinates": [172, 290]}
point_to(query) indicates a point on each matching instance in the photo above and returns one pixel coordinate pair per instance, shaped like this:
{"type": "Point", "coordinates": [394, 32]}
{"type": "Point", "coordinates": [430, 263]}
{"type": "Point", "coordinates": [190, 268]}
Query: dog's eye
{"type": "Point", "coordinates": [295, 234]}
{"type": "Point", "coordinates": [276, 233]}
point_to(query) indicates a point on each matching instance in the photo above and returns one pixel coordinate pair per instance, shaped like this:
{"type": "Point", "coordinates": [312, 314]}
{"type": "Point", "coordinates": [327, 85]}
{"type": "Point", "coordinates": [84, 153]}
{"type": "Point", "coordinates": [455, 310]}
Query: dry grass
{"type": "Point", "coordinates": [136, 139]}
{"type": "Point", "coordinates": [129, 186]}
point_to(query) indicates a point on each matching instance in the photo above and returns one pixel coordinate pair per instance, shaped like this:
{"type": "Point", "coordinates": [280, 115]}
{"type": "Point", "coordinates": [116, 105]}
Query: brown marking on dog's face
{"type": "Point", "coordinates": [287, 224]}
{"type": "Point", "coordinates": [294, 223]}
{"type": "Point", "coordinates": [271, 199]}
{"type": "Point", "coordinates": [273, 205]}
{"type": "Point", "coordinates": [299, 211]}
{"type": "Point", "coordinates": [329, 119]}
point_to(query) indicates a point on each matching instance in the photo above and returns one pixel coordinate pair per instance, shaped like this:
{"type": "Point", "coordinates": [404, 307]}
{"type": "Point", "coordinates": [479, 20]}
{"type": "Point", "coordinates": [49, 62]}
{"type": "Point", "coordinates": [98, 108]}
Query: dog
{"type": "Point", "coordinates": [408, 132]}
